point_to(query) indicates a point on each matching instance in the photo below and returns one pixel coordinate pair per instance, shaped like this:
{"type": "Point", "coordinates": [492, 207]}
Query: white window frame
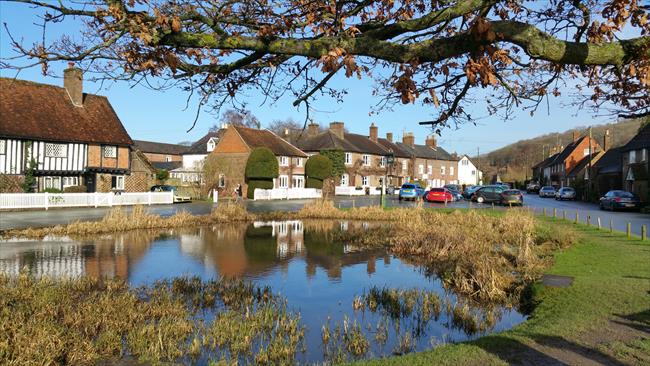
{"type": "Point", "coordinates": [442, 170]}
{"type": "Point", "coordinates": [365, 182]}
{"type": "Point", "coordinates": [644, 154]}
{"type": "Point", "coordinates": [119, 182]}
{"type": "Point", "coordinates": [382, 161]}
{"type": "Point", "coordinates": [451, 170]}
{"type": "Point", "coordinates": [299, 162]}
{"type": "Point", "coordinates": [366, 160]}
{"type": "Point", "coordinates": [348, 158]}
{"type": "Point", "coordinates": [632, 157]}
{"type": "Point", "coordinates": [474, 172]}
{"type": "Point", "coordinates": [69, 182]}
{"type": "Point", "coordinates": [3, 147]}
{"type": "Point", "coordinates": [49, 182]}
{"type": "Point", "coordinates": [283, 181]}
{"type": "Point", "coordinates": [405, 165]}
{"type": "Point", "coordinates": [421, 169]}
{"type": "Point", "coordinates": [109, 151]}
{"type": "Point", "coordinates": [168, 158]}
{"type": "Point", "coordinates": [62, 149]}
{"type": "Point", "coordinates": [284, 161]}
{"type": "Point", "coordinates": [212, 143]}
{"type": "Point", "coordinates": [585, 152]}
{"type": "Point", "coordinates": [430, 169]}
{"type": "Point", "coordinates": [297, 181]}
{"type": "Point", "coordinates": [345, 180]}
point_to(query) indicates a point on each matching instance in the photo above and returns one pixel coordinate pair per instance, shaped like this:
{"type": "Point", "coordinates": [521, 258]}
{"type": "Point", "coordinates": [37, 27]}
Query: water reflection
{"type": "Point", "coordinates": [319, 277]}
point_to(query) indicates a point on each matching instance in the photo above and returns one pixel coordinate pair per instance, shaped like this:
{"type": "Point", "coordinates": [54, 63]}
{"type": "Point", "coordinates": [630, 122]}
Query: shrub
{"type": "Point", "coordinates": [337, 157]}
{"type": "Point", "coordinates": [75, 189]}
{"type": "Point", "coordinates": [317, 169]}
{"type": "Point", "coordinates": [52, 190]}
{"type": "Point", "coordinates": [262, 165]}
{"type": "Point", "coordinates": [29, 182]}
{"type": "Point", "coordinates": [162, 174]}
{"type": "Point", "coordinates": [258, 183]}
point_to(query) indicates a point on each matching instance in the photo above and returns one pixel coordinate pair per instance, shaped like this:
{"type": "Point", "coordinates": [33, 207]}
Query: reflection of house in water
{"type": "Point", "coordinates": [101, 258]}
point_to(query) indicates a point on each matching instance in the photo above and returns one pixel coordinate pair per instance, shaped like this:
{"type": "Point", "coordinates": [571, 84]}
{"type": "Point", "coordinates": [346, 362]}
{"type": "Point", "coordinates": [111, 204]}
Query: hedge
{"type": "Point", "coordinates": [258, 183]}
{"type": "Point", "coordinates": [262, 164]}
{"type": "Point", "coordinates": [313, 183]}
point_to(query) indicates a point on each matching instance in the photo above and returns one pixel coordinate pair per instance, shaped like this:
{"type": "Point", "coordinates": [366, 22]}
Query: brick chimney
{"type": "Point", "coordinates": [374, 132]}
{"type": "Point", "coordinates": [389, 136]}
{"type": "Point", "coordinates": [408, 139]}
{"type": "Point", "coordinates": [576, 135]}
{"type": "Point", "coordinates": [607, 141]}
{"type": "Point", "coordinates": [338, 128]}
{"type": "Point", "coordinates": [313, 129]}
{"type": "Point", "coordinates": [73, 84]}
{"type": "Point", "coordinates": [430, 141]}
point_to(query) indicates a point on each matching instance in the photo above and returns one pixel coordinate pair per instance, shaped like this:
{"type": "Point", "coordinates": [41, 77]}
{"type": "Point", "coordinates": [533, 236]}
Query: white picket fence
{"type": "Point", "coordinates": [286, 193]}
{"type": "Point", "coordinates": [353, 191]}
{"type": "Point", "coordinates": [50, 200]}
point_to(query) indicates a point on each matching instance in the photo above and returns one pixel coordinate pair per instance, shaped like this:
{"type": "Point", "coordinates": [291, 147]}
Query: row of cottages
{"type": "Point", "coordinates": [626, 167]}
{"type": "Point", "coordinates": [74, 139]}
{"type": "Point", "coordinates": [235, 143]}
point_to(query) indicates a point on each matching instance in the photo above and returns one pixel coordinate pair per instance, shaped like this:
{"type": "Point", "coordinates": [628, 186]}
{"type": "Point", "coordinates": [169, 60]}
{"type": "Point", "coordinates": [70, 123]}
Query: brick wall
{"type": "Point", "coordinates": [11, 183]}
{"type": "Point", "coordinates": [103, 182]}
{"type": "Point", "coordinates": [142, 176]}
{"type": "Point", "coordinates": [161, 158]}
{"type": "Point", "coordinates": [232, 166]}
{"type": "Point", "coordinates": [94, 155]}
{"type": "Point", "coordinates": [123, 157]}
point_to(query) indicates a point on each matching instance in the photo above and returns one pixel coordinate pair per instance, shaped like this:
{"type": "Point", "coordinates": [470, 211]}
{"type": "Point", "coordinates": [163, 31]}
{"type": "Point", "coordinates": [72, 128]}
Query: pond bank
{"type": "Point", "coordinates": [602, 318]}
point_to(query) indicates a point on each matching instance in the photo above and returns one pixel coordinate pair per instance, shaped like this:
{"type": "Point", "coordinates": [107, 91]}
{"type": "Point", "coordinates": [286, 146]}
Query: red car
{"type": "Point", "coordinates": [439, 195]}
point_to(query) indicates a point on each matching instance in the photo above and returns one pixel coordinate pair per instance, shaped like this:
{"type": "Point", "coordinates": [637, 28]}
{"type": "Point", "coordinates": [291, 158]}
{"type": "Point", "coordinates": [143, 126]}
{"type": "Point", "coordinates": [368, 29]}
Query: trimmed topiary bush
{"type": "Point", "coordinates": [75, 189]}
{"type": "Point", "coordinates": [254, 183]}
{"type": "Point", "coordinates": [317, 169]}
{"type": "Point", "coordinates": [262, 164]}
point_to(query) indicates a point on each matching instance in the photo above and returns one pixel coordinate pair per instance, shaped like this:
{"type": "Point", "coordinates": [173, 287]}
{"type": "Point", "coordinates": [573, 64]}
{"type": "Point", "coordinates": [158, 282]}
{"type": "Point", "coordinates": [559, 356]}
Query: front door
{"type": "Point", "coordinates": [89, 179]}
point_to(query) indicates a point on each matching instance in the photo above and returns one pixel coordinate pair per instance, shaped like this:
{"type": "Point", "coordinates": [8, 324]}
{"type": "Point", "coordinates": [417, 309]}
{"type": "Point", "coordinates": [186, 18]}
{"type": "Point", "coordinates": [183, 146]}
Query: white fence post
{"type": "Point", "coordinates": [47, 200]}
{"type": "Point", "coordinates": [95, 199]}
{"type": "Point", "coordinates": [110, 200]}
{"type": "Point", "coordinates": [149, 197]}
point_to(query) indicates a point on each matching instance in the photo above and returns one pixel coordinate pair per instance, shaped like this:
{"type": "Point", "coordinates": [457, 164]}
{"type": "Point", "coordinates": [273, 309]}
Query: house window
{"type": "Point", "coordinates": [366, 160]}
{"type": "Point", "coordinates": [586, 152]}
{"type": "Point", "coordinates": [55, 150]}
{"type": "Point", "coordinates": [442, 170]}
{"type": "Point", "coordinates": [345, 180]}
{"type": "Point", "coordinates": [382, 161]}
{"type": "Point", "coordinates": [70, 182]}
{"type": "Point", "coordinates": [222, 181]}
{"type": "Point", "coordinates": [298, 162]}
{"type": "Point", "coordinates": [421, 169]}
{"type": "Point", "coordinates": [644, 154]}
{"type": "Point", "coordinates": [632, 156]}
{"type": "Point", "coordinates": [405, 164]}
{"type": "Point", "coordinates": [298, 181]}
{"type": "Point", "coordinates": [168, 158]}
{"type": "Point", "coordinates": [52, 182]}
{"type": "Point", "coordinates": [348, 158]}
{"type": "Point", "coordinates": [110, 151]}
{"type": "Point", "coordinates": [473, 172]}
{"type": "Point", "coordinates": [283, 181]}
{"type": "Point", "coordinates": [451, 170]}
{"type": "Point", "coordinates": [465, 162]}
{"type": "Point", "coordinates": [3, 148]}
{"type": "Point", "coordinates": [117, 182]}
{"type": "Point", "coordinates": [284, 161]}
{"type": "Point", "coordinates": [212, 143]}
{"type": "Point", "coordinates": [429, 169]}
{"type": "Point", "coordinates": [364, 181]}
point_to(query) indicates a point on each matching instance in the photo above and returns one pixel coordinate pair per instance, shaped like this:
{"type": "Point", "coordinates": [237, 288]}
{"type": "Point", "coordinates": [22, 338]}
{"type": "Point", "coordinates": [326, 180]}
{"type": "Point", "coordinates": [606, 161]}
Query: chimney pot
{"type": "Point", "coordinates": [374, 132]}
{"type": "Point", "coordinates": [389, 136]}
{"type": "Point", "coordinates": [73, 84]}
{"type": "Point", "coordinates": [313, 129]}
{"type": "Point", "coordinates": [607, 141]}
{"type": "Point", "coordinates": [431, 141]}
{"type": "Point", "coordinates": [576, 135]}
{"type": "Point", "coordinates": [338, 128]}
{"type": "Point", "coordinates": [408, 139]}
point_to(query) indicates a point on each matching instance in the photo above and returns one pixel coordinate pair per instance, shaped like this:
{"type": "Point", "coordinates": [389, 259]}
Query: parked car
{"type": "Point", "coordinates": [469, 191]}
{"type": "Point", "coordinates": [410, 191]}
{"type": "Point", "coordinates": [512, 197]}
{"type": "Point", "coordinates": [439, 195]}
{"type": "Point", "coordinates": [168, 188]}
{"type": "Point", "coordinates": [620, 200]}
{"type": "Point", "coordinates": [391, 189]}
{"type": "Point", "coordinates": [547, 191]}
{"type": "Point", "coordinates": [533, 187]}
{"type": "Point", "coordinates": [565, 193]}
{"type": "Point", "coordinates": [457, 195]}
{"type": "Point", "coordinates": [453, 187]}
{"type": "Point", "coordinates": [503, 184]}
{"type": "Point", "coordinates": [488, 194]}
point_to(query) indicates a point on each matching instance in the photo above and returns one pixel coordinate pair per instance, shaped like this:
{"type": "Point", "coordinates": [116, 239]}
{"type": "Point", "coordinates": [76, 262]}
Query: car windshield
{"type": "Point", "coordinates": [624, 194]}
{"type": "Point", "coordinates": [437, 190]}
{"type": "Point", "coordinates": [567, 189]}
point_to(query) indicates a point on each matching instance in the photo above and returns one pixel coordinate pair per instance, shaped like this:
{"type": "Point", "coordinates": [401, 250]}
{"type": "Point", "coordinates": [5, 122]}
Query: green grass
{"type": "Point", "coordinates": [603, 316]}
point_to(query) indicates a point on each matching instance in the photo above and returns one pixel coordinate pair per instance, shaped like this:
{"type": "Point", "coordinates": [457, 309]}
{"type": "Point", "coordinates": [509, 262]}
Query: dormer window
{"type": "Point", "coordinates": [212, 143]}
{"type": "Point", "coordinates": [284, 161]}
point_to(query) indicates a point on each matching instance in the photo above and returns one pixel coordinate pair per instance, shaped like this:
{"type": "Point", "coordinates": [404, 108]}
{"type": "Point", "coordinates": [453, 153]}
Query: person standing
{"type": "Point", "coordinates": [239, 192]}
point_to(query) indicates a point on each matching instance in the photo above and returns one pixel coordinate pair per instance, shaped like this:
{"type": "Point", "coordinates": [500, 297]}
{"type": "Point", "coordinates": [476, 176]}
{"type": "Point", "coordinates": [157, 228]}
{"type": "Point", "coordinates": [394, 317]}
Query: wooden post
{"type": "Point", "coordinates": [554, 213]}
{"type": "Point", "coordinates": [629, 230]}
{"type": "Point", "coordinates": [599, 223]}
{"type": "Point", "coordinates": [643, 232]}
{"type": "Point", "coordinates": [576, 216]}
{"type": "Point", "coordinates": [611, 226]}
{"type": "Point", "coordinates": [493, 205]}
{"type": "Point", "coordinates": [588, 220]}
{"type": "Point", "coordinates": [563, 214]}
{"type": "Point", "coordinates": [544, 211]}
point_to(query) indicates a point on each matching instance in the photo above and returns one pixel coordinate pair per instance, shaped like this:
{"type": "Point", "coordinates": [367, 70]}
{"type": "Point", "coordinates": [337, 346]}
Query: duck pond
{"type": "Point", "coordinates": [332, 301]}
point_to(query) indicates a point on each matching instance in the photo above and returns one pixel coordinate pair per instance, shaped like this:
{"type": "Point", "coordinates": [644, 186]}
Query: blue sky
{"type": "Point", "coordinates": [163, 116]}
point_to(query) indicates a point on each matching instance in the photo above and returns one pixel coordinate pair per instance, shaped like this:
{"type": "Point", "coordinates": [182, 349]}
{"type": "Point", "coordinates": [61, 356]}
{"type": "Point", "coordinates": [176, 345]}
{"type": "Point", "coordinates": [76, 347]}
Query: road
{"type": "Point", "coordinates": [24, 219]}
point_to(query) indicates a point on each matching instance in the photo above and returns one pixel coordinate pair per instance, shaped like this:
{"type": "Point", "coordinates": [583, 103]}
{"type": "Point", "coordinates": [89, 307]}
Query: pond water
{"type": "Point", "coordinates": [319, 277]}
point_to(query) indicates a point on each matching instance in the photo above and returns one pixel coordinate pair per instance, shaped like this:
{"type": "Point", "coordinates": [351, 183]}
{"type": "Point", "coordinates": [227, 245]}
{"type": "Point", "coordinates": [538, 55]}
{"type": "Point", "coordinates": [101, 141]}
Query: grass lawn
{"type": "Point", "coordinates": [602, 318]}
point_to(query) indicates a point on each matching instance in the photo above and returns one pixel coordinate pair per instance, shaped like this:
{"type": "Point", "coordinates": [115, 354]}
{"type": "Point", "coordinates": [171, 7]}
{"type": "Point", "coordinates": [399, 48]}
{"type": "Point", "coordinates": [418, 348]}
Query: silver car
{"type": "Point", "coordinates": [565, 193]}
{"type": "Point", "coordinates": [547, 191]}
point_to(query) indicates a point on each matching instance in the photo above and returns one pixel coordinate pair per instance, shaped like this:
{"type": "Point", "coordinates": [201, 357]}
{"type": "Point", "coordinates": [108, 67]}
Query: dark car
{"type": "Point", "coordinates": [512, 197]}
{"type": "Point", "coordinates": [620, 200]}
{"type": "Point", "coordinates": [469, 191]}
{"type": "Point", "coordinates": [488, 194]}
{"type": "Point", "coordinates": [457, 195]}
{"type": "Point", "coordinates": [452, 187]}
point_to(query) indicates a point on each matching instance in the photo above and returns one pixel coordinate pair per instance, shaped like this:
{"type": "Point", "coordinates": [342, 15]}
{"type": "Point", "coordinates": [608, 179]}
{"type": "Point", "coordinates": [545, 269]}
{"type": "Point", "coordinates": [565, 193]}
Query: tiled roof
{"type": "Point", "coordinates": [44, 112]}
{"type": "Point", "coordinates": [546, 162]}
{"type": "Point", "coordinates": [610, 162]}
{"type": "Point", "coordinates": [365, 144]}
{"type": "Point", "coordinates": [582, 164]}
{"type": "Point", "coordinates": [255, 138]}
{"type": "Point", "coordinates": [396, 149]}
{"type": "Point", "coordinates": [640, 140]}
{"type": "Point", "coordinates": [426, 152]}
{"type": "Point", "coordinates": [200, 147]}
{"type": "Point", "coordinates": [159, 147]}
{"type": "Point", "coordinates": [351, 142]}
{"type": "Point", "coordinates": [167, 165]}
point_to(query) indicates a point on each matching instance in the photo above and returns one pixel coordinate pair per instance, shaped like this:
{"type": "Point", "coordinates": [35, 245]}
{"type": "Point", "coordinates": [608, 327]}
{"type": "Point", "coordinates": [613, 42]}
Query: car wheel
{"type": "Point", "coordinates": [480, 199]}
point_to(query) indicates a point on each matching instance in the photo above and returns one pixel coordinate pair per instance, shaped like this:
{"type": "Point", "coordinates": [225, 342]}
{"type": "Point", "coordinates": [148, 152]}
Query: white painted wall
{"type": "Point", "coordinates": [193, 161]}
{"type": "Point", "coordinates": [465, 169]}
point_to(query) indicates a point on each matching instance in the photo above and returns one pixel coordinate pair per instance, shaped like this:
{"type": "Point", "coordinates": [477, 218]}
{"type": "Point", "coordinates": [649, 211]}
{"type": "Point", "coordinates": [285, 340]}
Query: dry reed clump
{"type": "Point", "coordinates": [231, 212]}
{"type": "Point", "coordinates": [82, 321]}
